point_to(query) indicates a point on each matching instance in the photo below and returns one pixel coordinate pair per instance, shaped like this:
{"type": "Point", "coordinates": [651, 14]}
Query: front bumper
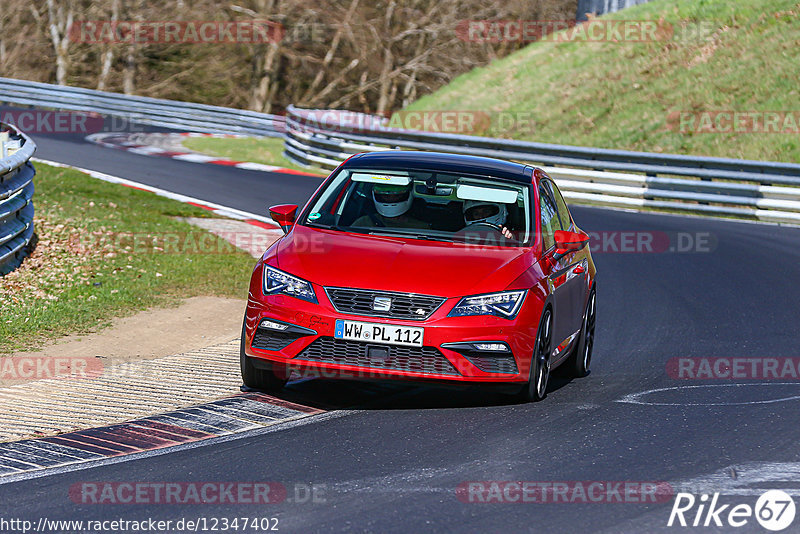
{"type": "Point", "coordinates": [307, 344]}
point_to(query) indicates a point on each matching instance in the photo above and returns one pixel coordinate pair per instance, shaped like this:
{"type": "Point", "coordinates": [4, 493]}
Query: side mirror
{"type": "Point", "coordinates": [567, 242]}
{"type": "Point", "coordinates": [284, 215]}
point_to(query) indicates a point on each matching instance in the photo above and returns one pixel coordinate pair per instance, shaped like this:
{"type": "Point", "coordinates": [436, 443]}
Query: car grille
{"type": "Point", "coordinates": [266, 339]}
{"type": "Point", "coordinates": [493, 364]}
{"type": "Point", "coordinates": [403, 306]}
{"type": "Point", "coordinates": [412, 359]}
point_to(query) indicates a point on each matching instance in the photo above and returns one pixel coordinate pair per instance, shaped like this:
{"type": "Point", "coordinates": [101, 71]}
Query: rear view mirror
{"type": "Point", "coordinates": [567, 242]}
{"type": "Point", "coordinates": [438, 191]}
{"type": "Point", "coordinates": [284, 215]}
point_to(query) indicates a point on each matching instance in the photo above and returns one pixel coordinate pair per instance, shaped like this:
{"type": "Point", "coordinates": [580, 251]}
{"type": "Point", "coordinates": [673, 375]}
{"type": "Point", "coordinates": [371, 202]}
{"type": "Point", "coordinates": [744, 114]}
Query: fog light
{"type": "Point", "coordinates": [272, 325]}
{"type": "Point", "coordinates": [491, 347]}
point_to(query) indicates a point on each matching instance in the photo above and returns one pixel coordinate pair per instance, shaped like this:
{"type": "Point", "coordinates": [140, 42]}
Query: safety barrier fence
{"type": "Point", "coordinates": [16, 195]}
{"type": "Point", "coordinates": [768, 191]}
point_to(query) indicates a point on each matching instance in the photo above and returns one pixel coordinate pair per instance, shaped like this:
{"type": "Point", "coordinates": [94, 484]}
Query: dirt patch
{"type": "Point", "coordinates": [196, 322]}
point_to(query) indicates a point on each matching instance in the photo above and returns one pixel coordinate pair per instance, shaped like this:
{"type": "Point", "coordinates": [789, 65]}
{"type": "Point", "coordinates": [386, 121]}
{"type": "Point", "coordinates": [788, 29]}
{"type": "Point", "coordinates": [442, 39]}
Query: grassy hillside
{"type": "Point", "coordinates": [724, 55]}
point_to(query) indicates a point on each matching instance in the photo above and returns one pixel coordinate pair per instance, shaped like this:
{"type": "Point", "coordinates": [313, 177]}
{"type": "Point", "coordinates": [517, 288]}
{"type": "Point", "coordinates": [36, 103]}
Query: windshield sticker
{"type": "Point", "coordinates": [381, 178]}
{"type": "Point", "coordinates": [314, 216]}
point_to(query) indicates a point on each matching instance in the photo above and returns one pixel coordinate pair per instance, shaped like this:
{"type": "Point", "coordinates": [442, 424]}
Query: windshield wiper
{"type": "Point", "coordinates": [423, 237]}
{"type": "Point", "coordinates": [324, 226]}
{"type": "Point", "coordinates": [350, 229]}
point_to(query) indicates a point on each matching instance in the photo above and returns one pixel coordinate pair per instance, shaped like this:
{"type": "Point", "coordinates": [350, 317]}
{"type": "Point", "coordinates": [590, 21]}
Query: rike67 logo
{"type": "Point", "coordinates": [774, 510]}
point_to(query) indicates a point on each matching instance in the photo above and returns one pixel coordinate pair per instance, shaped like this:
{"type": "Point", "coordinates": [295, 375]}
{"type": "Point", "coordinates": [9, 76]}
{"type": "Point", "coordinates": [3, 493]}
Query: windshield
{"type": "Point", "coordinates": [425, 205]}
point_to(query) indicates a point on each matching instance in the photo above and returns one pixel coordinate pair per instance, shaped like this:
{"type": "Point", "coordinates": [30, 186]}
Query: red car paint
{"type": "Point", "coordinates": [331, 258]}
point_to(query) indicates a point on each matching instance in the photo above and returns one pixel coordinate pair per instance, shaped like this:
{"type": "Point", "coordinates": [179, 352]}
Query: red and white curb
{"type": "Point", "coordinates": [231, 415]}
{"type": "Point", "coordinates": [222, 211]}
{"type": "Point", "coordinates": [134, 142]}
{"type": "Point", "coordinates": [221, 420]}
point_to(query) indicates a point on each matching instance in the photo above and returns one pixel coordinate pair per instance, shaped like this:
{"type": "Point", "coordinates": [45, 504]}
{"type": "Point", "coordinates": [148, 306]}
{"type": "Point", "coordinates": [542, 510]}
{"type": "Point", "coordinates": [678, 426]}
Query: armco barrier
{"type": "Point", "coordinates": [16, 198]}
{"type": "Point", "coordinates": [761, 190]}
{"type": "Point", "coordinates": [138, 109]}
{"type": "Point", "coordinates": [768, 191]}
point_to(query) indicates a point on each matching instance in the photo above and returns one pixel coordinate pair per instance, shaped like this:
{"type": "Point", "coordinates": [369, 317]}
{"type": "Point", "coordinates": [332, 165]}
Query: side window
{"type": "Point", "coordinates": [548, 217]}
{"type": "Point", "coordinates": [561, 207]}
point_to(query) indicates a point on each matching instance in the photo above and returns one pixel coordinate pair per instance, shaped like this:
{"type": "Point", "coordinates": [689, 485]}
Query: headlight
{"type": "Point", "coordinates": [277, 282]}
{"type": "Point", "coordinates": [505, 304]}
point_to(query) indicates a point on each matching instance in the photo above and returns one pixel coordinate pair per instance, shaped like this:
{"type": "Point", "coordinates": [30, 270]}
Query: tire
{"type": "Point", "coordinates": [262, 379]}
{"type": "Point", "coordinates": [536, 387]}
{"type": "Point", "coordinates": [581, 357]}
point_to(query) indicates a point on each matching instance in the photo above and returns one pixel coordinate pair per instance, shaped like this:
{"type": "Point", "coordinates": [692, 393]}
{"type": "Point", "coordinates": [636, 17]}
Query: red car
{"type": "Point", "coordinates": [424, 266]}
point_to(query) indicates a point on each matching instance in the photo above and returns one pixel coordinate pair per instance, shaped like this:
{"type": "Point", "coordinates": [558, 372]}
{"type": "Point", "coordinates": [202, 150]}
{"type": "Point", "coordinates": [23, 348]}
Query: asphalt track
{"type": "Point", "coordinates": [392, 462]}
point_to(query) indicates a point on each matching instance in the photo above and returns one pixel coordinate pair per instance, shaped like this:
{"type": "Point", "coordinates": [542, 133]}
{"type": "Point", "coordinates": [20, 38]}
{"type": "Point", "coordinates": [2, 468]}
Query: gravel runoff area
{"type": "Point", "coordinates": [108, 383]}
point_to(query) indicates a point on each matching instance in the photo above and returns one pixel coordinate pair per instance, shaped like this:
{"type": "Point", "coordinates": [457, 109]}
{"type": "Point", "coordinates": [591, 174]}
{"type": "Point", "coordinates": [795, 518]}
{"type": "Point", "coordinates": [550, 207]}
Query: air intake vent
{"type": "Point", "coordinates": [383, 303]}
{"type": "Point", "coordinates": [426, 360]}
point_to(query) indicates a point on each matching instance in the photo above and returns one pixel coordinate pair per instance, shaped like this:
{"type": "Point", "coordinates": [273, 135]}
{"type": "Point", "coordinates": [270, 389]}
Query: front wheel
{"type": "Point", "coordinates": [536, 388]}
{"type": "Point", "coordinates": [582, 355]}
{"type": "Point", "coordinates": [263, 379]}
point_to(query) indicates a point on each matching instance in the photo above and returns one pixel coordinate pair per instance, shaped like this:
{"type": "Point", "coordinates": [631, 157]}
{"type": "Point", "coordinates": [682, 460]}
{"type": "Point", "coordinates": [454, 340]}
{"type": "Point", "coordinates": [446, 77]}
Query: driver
{"type": "Point", "coordinates": [479, 213]}
{"type": "Point", "coordinates": [392, 203]}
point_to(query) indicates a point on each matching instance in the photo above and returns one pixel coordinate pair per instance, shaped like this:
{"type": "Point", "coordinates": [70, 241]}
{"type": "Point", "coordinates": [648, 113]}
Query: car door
{"type": "Point", "coordinates": [574, 267]}
{"type": "Point", "coordinates": [554, 269]}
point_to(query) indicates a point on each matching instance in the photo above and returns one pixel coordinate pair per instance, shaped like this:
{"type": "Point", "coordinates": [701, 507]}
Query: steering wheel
{"type": "Point", "coordinates": [493, 226]}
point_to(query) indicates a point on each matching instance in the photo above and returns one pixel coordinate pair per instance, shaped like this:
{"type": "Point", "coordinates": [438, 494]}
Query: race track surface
{"type": "Point", "coordinates": [392, 462]}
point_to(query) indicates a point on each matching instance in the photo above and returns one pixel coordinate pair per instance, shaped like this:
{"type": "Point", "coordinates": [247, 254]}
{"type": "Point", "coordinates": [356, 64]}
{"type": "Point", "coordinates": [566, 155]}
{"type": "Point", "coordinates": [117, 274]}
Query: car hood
{"type": "Point", "coordinates": [338, 259]}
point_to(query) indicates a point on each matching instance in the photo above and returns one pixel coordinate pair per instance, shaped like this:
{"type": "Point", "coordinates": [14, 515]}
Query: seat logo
{"type": "Point", "coordinates": [382, 304]}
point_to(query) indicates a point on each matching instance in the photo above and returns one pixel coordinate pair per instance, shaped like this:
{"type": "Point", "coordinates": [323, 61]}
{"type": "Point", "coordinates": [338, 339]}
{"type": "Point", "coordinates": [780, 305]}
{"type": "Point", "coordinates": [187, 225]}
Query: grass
{"type": "Point", "coordinates": [101, 254]}
{"type": "Point", "coordinates": [266, 150]}
{"type": "Point", "coordinates": [724, 55]}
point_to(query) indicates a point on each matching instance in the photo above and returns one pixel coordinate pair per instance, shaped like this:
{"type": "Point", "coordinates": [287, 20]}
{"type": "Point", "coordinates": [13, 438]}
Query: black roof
{"type": "Point", "coordinates": [441, 162]}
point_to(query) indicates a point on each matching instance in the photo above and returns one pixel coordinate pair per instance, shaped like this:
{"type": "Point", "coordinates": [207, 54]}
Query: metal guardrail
{"type": "Point", "coordinates": [185, 116]}
{"type": "Point", "coordinates": [16, 200]}
{"type": "Point", "coordinates": [762, 190]}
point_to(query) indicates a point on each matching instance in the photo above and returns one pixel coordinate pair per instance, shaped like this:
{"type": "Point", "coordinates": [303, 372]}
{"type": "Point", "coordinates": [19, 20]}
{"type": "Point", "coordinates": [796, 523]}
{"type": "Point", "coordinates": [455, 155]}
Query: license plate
{"type": "Point", "coordinates": [410, 336]}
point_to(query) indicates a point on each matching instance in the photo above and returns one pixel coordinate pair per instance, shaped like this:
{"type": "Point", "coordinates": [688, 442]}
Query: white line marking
{"type": "Point", "coordinates": [146, 150]}
{"type": "Point", "coordinates": [251, 166]}
{"type": "Point", "coordinates": [740, 479]}
{"type": "Point", "coordinates": [194, 158]}
{"type": "Point", "coordinates": [636, 398]}
{"type": "Point", "coordinates": [160, 192]}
